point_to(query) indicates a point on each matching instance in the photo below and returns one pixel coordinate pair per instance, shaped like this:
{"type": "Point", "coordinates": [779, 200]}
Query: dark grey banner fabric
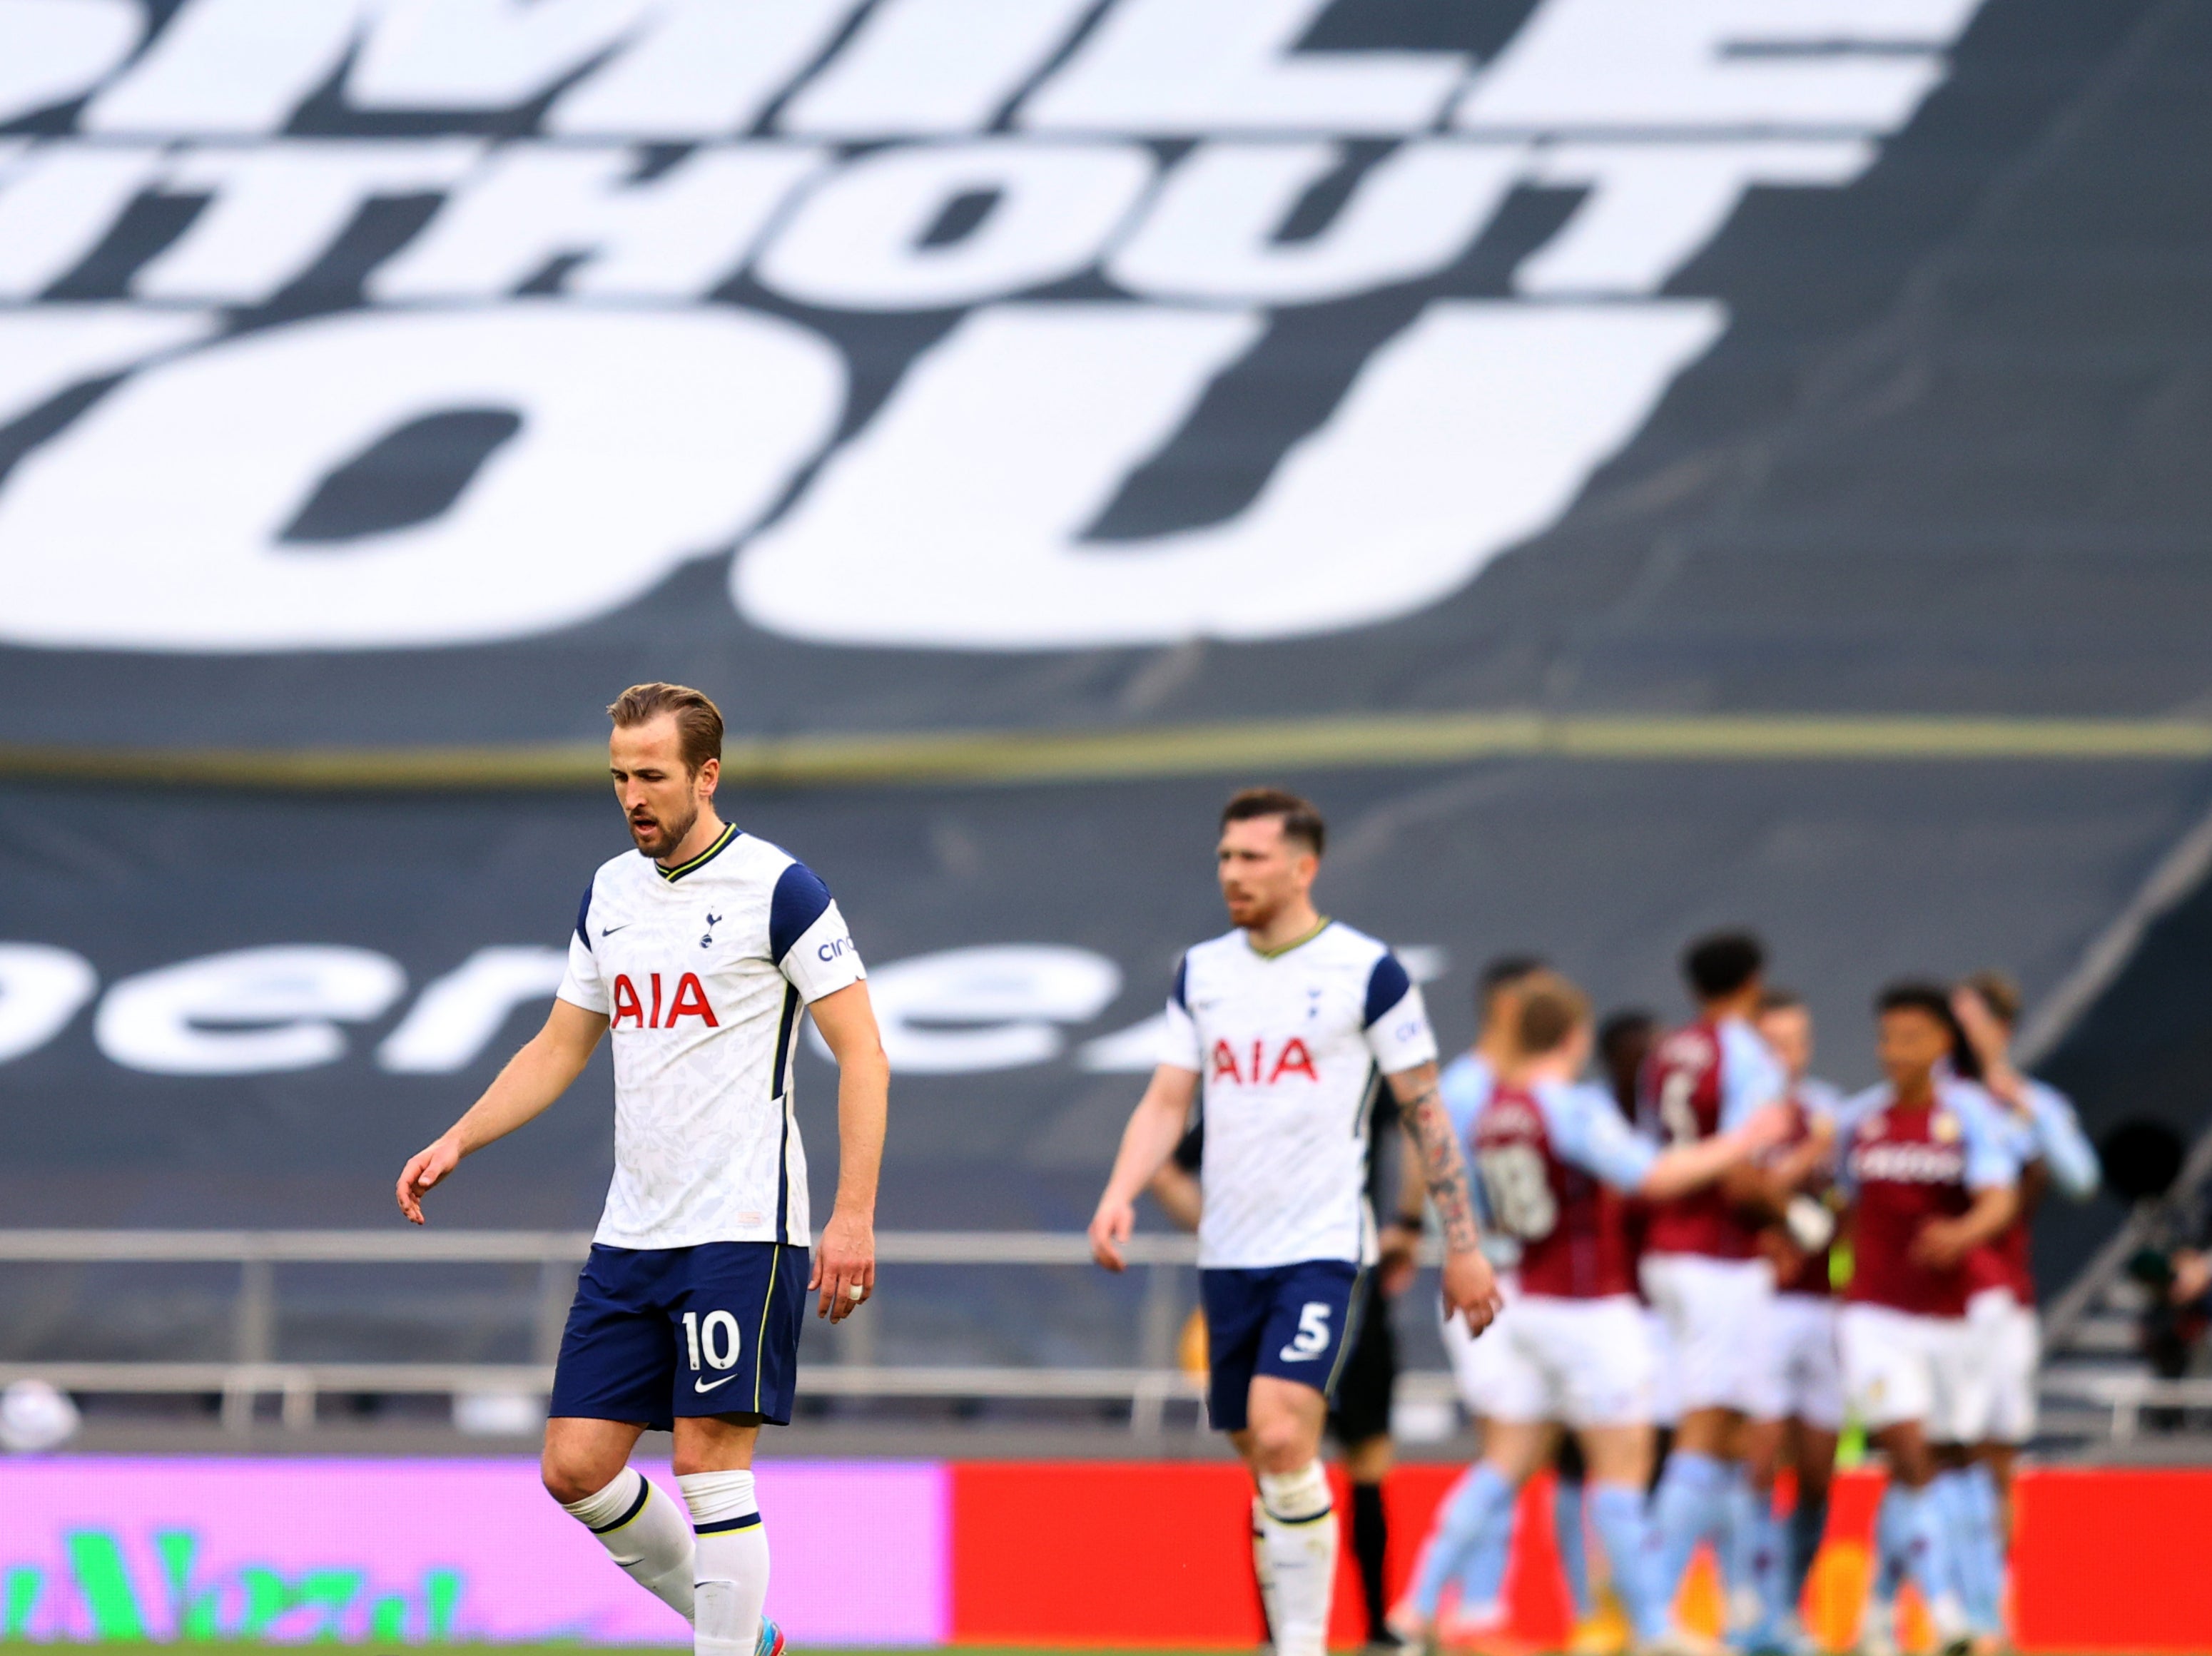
{"type": "Point", "coordinates": [257, 1008]}
{"type": "Point", "coordinates": [1486, 354]}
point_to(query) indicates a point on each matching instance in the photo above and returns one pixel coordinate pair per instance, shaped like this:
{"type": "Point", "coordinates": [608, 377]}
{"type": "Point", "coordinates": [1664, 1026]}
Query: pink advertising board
{"type": "Point", "coordinates": [119, 1548]}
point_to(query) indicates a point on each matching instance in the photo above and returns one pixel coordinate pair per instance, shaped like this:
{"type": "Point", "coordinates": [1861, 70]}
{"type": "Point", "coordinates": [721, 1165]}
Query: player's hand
{"type": "Point", "coordinates": [1399, 1261]}
{"type": "Point", "coordinates": [1470, 1289]}
{"type": "Point", "coordinates": [844, 1260]}
{"type": "Point", "coordinates": [1769, 1127]}
{"type": "Point", "coordinates": [423, 1169]}
{"type": "Point", "coordinates": [1940, 1244]}
{"type": "Point", "coordinates": [1110, 1227]}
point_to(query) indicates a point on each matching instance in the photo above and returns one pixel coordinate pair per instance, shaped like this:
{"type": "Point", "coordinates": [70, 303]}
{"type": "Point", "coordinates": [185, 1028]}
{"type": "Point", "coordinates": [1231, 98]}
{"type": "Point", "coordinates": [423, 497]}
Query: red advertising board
{"type": "Point", "coordinates": [1132, 1554]}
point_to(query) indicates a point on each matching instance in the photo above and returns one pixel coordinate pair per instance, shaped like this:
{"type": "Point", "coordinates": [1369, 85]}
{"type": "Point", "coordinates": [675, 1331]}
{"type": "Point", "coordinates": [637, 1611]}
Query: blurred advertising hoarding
{"type": "Point", "coordinates": [429, 1550]}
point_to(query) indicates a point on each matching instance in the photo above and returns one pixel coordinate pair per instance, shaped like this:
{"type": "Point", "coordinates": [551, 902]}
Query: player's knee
{"type": "Point", "coordinates": [1281, 1443]}
{"type": "Point", "coordinates": [570, 1477]}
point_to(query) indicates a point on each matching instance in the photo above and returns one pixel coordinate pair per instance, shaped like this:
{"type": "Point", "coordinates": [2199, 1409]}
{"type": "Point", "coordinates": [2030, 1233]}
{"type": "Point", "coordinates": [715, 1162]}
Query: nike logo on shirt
{"type": "Point", "coordinates": [609, 931]}
{"type": "Point", "coordinates": [701, 1386]}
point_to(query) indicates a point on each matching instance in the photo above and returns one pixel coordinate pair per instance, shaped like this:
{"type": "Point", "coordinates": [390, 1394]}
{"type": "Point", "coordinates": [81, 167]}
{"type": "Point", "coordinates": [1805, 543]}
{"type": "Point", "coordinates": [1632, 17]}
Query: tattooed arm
{"type": "Point", "coordinates": [1469, 1286]}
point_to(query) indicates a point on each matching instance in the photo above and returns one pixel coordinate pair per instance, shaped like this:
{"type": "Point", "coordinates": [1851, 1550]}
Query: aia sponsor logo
{"type": "Point", "coordinates": [689, 1001]}
{"type": "Point", "coordinates": [1255, 1067]}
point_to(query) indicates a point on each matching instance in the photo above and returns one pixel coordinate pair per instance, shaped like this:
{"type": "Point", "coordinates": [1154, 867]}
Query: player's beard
{"type": "Point", "coordinates": [662, 837]}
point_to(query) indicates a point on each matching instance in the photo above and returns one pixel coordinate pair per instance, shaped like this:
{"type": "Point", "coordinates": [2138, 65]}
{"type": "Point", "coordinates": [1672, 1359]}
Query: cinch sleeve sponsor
{"type": "Point", "coordinates": [580, 984]}
{"type": "Point", "coordinates": [1179, 1042]}
{"type": "Point", "coordinates": [807, 937]}
{"type": "Point", "coordinates": [1751, 1076]}
{"type": "Point", "coordinates": [1588, 1131]}
{"type": "Point", "coordinates": [1398, 1033]}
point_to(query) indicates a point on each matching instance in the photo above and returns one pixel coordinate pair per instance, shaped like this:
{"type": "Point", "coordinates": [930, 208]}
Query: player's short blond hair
{"type": "Point", "coordinates": [698, 720]}
{"type": "Point", "coordinates": [1552, 1009]}
{"type": "Point", "coordinates": [1999, 993]}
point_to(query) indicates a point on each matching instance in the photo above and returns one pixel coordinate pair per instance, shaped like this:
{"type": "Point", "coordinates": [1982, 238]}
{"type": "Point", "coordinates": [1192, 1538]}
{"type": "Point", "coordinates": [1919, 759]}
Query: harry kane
{"type": "Point", "coordinates": [696, 953]}
{"type": "Point", "coordinates": [1284, 1022]}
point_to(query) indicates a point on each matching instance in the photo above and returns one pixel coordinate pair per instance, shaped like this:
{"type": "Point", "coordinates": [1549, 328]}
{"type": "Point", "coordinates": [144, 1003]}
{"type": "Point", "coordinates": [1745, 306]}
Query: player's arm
{"type": "Point", "coordinates": [1682, 1168]}
{"type": "Point", "coordinates": [1470, 1287]}
{"type": "Point", "coordinates": [1176, 1188]}
{"type": "Point", "coordinates": [548, 1061]}
{"type": "Point", "coordinates": [1993, 1178]}
{"type": "Point", "coordinates": [1941, 1243]}
{"type": "Point", "coordinates": [1155, 1125]}
{"type": "Point", "coordinates": [846, 1255]}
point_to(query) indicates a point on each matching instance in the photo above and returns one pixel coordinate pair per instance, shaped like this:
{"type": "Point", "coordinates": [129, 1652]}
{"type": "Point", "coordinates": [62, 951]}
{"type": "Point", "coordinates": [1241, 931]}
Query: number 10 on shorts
{"type": "Point", "coordinates": [716, 1338]}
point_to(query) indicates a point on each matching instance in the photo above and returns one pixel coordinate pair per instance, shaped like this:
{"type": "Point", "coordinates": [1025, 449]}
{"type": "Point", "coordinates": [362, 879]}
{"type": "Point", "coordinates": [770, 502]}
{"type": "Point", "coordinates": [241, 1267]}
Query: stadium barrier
{"type": "Point", "coordinates": [2115, 1398]}
{"type": "Point", "coordinates": [915, 1553]}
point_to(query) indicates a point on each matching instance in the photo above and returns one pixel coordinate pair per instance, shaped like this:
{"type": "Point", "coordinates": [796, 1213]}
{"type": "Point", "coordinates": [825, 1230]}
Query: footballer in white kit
{"type": "Point", "coordinates": [695, 954]}
{"type": "Point", "coordinates": [1281, 1029]}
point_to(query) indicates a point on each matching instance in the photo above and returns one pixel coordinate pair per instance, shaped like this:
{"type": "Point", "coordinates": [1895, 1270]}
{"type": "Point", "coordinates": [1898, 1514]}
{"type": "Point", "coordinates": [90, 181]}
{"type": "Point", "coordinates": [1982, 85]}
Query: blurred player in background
{"type": "Point", "coordinates": [697, 950]}
{"type": "Point", "coordinates": [1476, 1611]}
{"type": "Point", "coordinates": [2000, 1309]}
{"type": "Point", "coordinates": [1702, 1268]}
{"type": "Point", "coordinates": [1931, 1170]}
{"type": "Point", "coordinates": [1288, 1016]}
{"type": "Point", "coordinates": [1771, 1561]}
{"type": "Point", "coordinates": [1554, 1158]}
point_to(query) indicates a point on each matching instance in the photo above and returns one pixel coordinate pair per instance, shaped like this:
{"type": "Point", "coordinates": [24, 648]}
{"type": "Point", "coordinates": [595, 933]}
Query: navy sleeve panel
{"type": "Point", "coordinates": [1176, 994]}
{"type": "Point", "coordinates": [1386, 987]}
{"type": "Point", "coordinates": [799, 900]}
{"type": "Point", "coordinates": [583, 913]}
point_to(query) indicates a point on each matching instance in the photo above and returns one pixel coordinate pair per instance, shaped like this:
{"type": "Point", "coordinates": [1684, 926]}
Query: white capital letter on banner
{"type": "Point", "coordinates": [674, 237]}
{"type": "Point", "coordinates": [646, 438]}
{"type": "Point", "coordinates": [451, 1019]}
{"type": "Point", "coordinates": [938, 66]}
{"type": "Point", "coordinates": [52, 50]}
{"type": "Point", "coordinates": [46, 349]}
{"type": "Point", "coordinates": [57, 202]}
{"type": "Point", "coordinates": [953, 520]}
{"type": "Point", "coordinates": [482, 54]}
{"type": "Point", "coordinates": [40, 989]}
{"type": "Point", "coordinates": [229, 66]}
{"type": "Point", "coordinates": [1010, 994]}
{"type": "Point", "coordinates": [1178, 66]}
{"type": "Point", "coordinates": [855, 242]}
{"type": "Point", "coordinates": [296, 994]}
{"type": "Point", "coordinates": [1210, 232]}
{"type": "Point", "coordinates": [1682, 63]}
{"type": "Point", "coordinates": [703, 68]}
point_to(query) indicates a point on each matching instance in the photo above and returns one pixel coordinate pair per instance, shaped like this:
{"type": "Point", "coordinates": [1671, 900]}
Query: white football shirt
{"type": "Point", "coordinates": [701, 971]}
{"type": "Point", "coordinates": [1286, 1047]}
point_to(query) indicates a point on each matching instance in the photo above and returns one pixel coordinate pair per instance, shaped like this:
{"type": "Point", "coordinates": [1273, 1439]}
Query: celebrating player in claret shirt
{"type": "Point", "coordinates": [1284, 1022]}
{"type": "Point", "coordinates": [1931, 1169]}
{"type": "Point", "coordinates": [1553, 1160]}
{"type": "Point", "coordinates": [1702, 1267]}
{"type": "Point", "coordinates": [698, 953]}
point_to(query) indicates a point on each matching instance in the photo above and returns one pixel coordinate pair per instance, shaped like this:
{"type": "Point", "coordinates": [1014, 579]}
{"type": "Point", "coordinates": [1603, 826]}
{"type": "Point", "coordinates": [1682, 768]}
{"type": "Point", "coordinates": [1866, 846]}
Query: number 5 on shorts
{"type": "Point", "coordinates": [1312, 1337]}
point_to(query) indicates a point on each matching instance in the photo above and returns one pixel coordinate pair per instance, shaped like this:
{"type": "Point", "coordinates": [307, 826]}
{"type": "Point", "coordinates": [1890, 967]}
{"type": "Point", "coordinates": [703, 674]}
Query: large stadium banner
{"type": "Point", "coordinates": [380, 370]}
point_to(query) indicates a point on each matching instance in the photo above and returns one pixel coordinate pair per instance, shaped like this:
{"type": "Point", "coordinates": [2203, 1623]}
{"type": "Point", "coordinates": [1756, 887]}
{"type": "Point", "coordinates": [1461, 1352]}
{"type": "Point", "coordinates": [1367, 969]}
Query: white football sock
{"type": "Point", "coordinates": [644, 1533]}
{"type": "Point", "coordinates": [1262, 1571]}
{"type": "Point", "coordinates": [1299, 1535]}
{"type": "Point", "coordinates": [730, 1568]}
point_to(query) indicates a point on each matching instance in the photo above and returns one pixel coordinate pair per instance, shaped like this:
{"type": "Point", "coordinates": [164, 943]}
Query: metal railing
{"type": "Point", "coordinates": [252, 1371]}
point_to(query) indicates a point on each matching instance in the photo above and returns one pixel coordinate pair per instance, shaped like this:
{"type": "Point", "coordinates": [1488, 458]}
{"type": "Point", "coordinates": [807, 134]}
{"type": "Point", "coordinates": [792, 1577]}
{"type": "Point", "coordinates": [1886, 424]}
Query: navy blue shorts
{"type": "Point", "coordinates": [662, 1332]}
{"type": "Point", "coordinates": [1290, 1321]}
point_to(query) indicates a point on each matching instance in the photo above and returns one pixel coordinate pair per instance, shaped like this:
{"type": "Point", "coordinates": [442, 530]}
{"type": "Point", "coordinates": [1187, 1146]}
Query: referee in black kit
{"type": "Point", "coordinates": [1359, 1412]}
